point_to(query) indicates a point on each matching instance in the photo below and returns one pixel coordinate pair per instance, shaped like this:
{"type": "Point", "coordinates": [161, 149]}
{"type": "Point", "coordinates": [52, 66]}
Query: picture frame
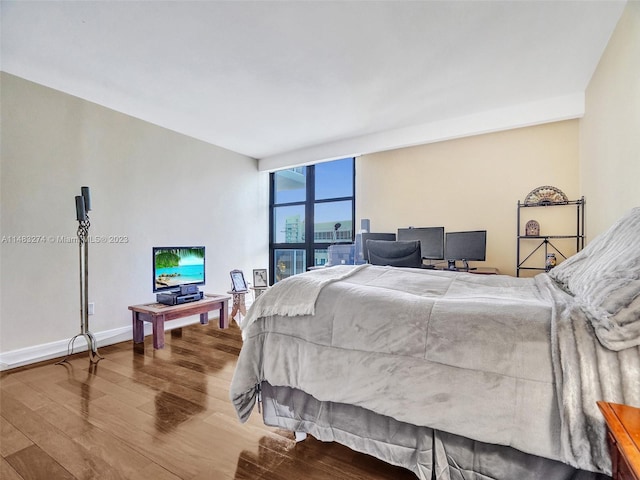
{"type": "Point", "coordinates": [237, 281]}
{"type": "Point", "coordinates": [260, 278]}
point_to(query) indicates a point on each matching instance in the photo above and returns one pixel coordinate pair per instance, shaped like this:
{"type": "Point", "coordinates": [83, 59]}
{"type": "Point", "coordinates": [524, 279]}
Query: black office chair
{"type": "Point", "coordinates": [395, 254]}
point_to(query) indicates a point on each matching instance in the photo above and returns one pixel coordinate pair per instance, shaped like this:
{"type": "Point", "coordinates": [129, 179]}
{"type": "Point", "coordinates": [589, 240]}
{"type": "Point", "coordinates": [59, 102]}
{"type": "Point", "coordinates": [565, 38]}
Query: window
{"type": "Point", "coordinates": [311, 208]}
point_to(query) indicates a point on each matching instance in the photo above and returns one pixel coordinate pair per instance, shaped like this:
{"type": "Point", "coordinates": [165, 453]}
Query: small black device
{"type": "Point", "coordinates": [177, 298]}
{"type": "Point", "coordinates": [188, 289]}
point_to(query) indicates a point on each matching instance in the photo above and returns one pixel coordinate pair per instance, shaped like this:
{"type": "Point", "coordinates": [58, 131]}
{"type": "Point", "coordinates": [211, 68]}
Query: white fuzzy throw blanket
{"type": "Point", "coordinates": [596, 337]}
{"type": "Point", "coordinates": [586, 372]}
{"type": "Point", "coordinates": [292, 297]}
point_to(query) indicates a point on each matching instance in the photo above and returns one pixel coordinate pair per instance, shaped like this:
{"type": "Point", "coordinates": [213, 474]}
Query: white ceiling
{"type": "Point", "coordinates": [296, 81]}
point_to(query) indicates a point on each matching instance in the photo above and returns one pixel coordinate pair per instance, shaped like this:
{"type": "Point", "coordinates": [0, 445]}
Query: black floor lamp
{"type": "Point", "coordinates": [83, 205]}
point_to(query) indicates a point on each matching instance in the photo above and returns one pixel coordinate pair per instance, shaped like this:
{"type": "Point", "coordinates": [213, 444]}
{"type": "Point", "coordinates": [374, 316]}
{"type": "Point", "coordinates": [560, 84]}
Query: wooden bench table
{"type": "Point", "coordinates": [623, 436]}
{"type": "Point", "coordinates": [158, 313]}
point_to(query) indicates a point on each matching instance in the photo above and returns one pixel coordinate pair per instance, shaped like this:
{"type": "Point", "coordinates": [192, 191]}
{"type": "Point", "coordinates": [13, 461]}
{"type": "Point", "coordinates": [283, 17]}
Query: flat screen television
{"type": "Point", "coordinates": [176, 266]}
{"type": "Point", "coordinates": [431, 240]}
{"type": "Point", "coordinates": [465, 246]}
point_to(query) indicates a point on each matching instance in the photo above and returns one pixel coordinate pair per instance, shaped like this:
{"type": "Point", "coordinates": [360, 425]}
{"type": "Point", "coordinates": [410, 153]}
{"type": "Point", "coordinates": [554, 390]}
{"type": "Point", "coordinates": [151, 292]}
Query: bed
{"type": "Point", "coordinates": [453, 375]}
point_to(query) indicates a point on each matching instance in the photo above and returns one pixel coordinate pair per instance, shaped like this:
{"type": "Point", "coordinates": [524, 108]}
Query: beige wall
{"type": "Point", "coordinates": [610, 129]}
{"type": "Point", "coordinates": [472, 183]}
{"type": "Point", "coordinates": [150, 185]}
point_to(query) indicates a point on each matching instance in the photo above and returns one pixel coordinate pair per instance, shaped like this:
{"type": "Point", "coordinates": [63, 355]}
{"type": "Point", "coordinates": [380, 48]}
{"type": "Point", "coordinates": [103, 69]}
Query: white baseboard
{"type": "Point", "coordinates": [47, 351]}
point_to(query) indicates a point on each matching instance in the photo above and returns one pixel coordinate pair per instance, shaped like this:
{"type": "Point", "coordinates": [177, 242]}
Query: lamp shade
{"type": "Point", "coordinates": [86, 195]}
{"type": "Point", "coordinates": [81, 213]}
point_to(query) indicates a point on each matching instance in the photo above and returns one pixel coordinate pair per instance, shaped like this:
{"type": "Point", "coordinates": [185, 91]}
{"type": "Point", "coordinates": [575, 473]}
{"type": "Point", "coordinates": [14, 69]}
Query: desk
{"type": "Point", "coordinates": [158, 313]}
{"type": "Point", "coordinates": [485, 271]}
{"type": "Point", "coordinates": [477, 271]}
{"type": "Point", "coordinates": [623, 436]}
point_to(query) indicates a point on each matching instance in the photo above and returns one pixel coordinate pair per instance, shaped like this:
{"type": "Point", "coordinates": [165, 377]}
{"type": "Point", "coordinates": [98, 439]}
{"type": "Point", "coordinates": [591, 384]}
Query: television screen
{"type": "Point", "coordinates": [431, 240]}
{"type": "Point", "coordinates": [175, 266]}
{"type": "Point", "coordinates": [466, 245]}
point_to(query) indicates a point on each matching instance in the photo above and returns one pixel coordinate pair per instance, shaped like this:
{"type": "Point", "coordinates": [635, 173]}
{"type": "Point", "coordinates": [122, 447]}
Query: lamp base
{"type": "Point", "coordinates": [94, 356]}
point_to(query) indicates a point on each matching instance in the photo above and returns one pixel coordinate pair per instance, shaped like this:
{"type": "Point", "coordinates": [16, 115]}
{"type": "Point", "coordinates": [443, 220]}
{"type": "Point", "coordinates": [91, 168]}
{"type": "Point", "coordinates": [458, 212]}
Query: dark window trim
{"type": "Point", "coordinates": [310, 245]}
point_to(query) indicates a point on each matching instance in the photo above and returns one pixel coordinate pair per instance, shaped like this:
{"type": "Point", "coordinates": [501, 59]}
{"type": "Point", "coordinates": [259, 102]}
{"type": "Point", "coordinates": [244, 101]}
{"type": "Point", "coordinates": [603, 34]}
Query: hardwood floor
{"type": "Point", "coordinates": [164, 414]}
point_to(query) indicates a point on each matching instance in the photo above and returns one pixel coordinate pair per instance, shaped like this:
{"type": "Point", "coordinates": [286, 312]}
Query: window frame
{"type": "Point", "coordinates": [310, 245]}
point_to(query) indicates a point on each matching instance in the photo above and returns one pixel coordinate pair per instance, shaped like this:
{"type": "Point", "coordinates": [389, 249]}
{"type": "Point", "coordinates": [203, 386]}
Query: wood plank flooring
{"type": "Point", "coordinates": [163, 414]}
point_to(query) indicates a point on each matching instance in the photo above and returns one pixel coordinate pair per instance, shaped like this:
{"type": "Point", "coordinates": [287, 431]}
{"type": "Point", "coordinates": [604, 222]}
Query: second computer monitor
{"type": "Point", "coordinates": [431, 240]}
{"type": "Point", "coordinates": [467, 245]}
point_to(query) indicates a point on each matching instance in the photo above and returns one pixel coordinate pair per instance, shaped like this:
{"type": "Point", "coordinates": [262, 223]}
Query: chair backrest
{"type": "Point", "coordinates": [395, 253]}
{"type": "Point", "coordinates": [366, 236]}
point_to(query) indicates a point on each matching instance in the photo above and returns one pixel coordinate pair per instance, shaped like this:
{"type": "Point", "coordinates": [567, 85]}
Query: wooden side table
{"type": "Point", "coordinates": [257, 291]}
{"type": "Point", "coordinates": [623, 425]}
{"type": "Point", "coordinates": [239, 304]}
{"type": "Point", "coordinates": [158, 313]}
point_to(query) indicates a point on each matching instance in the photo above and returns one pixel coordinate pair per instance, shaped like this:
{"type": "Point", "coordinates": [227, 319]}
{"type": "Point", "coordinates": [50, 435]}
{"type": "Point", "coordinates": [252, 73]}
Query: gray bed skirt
{"type": "Point", "coordinates": [430, 454]}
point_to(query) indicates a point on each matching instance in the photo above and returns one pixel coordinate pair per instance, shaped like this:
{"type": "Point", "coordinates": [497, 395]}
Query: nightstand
{"type": "Point", "coordinates": [623, 435]}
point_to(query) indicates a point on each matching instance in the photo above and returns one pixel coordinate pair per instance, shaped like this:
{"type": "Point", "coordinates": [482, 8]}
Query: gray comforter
{"type": "Point", "coordinates": [497, 359]}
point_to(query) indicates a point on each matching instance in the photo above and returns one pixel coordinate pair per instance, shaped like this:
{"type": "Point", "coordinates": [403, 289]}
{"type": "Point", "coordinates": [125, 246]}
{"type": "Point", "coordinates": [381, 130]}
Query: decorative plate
{"type": "Point", "coordinates": [545, 195]}
{"type": "Point", "coordinates": [532, 229]}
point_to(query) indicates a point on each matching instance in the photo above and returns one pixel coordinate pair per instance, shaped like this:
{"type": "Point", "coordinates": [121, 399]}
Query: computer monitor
{"type": "Point", "coordinates": [374, 236]}
{"type": "Point", "coordinates": [465, 246]}
{"type": "Point", "coordinates": [431, 240]}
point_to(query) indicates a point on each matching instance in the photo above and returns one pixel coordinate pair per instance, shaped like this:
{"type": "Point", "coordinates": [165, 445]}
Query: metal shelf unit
{"type": "Point", "coordinates": [544, 241]}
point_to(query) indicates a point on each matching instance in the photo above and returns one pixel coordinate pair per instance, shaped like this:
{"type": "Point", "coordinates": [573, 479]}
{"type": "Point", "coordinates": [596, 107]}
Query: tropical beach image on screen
{"type": "Point", "coordinates": [178, 266]}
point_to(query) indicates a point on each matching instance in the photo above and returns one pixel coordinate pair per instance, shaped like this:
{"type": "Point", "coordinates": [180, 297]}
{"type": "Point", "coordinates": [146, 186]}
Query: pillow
{"type": "Point", "coordinates": [604, 278]}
